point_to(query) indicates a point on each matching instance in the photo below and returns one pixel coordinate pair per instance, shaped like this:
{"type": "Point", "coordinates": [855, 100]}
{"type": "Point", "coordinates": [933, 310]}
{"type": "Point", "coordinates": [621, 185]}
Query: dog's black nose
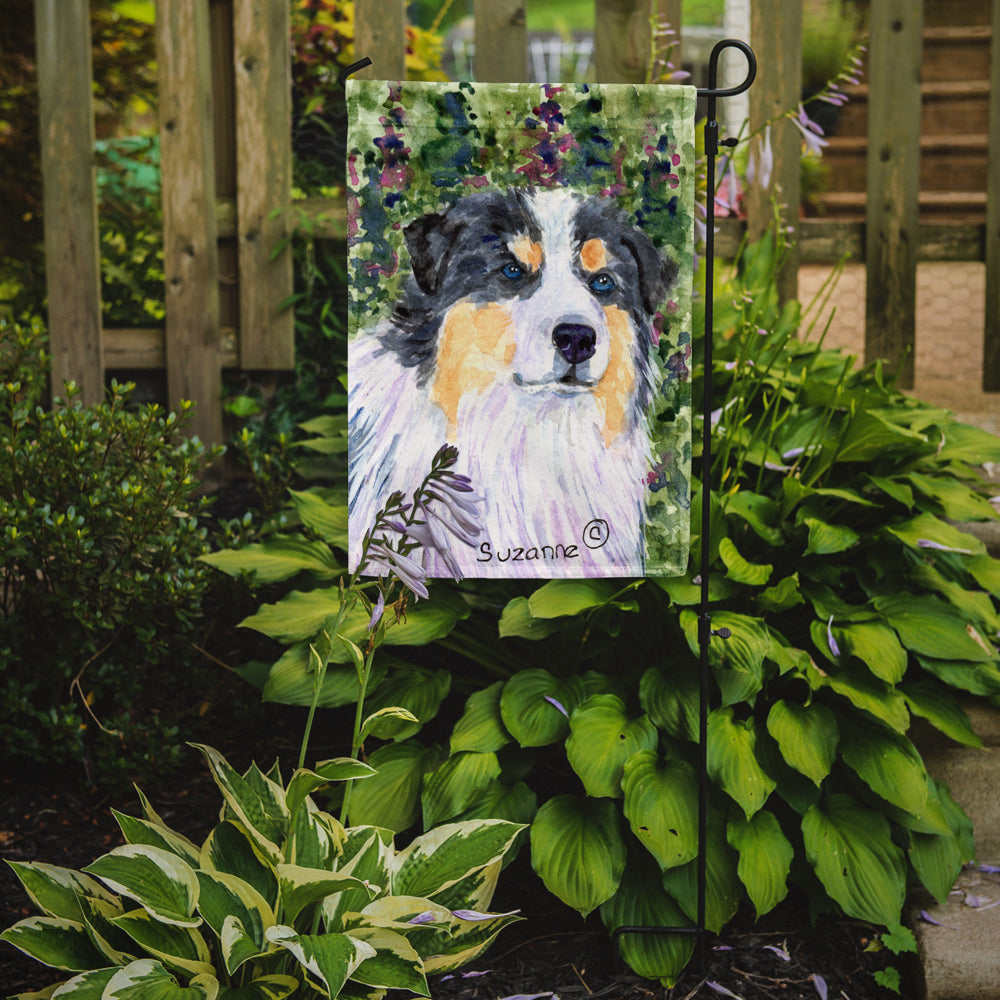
{"type": "Point", "coordinates": [575, 342]}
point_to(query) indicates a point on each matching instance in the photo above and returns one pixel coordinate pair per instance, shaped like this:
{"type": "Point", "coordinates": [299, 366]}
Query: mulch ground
{"type": "Point", "coordinates": [550, 953]}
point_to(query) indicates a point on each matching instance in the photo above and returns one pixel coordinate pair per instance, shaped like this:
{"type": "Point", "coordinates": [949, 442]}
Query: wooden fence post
{"type": "Point", "coordinates": [776, 35]}
{"type": "Point", "coordinates": [190, 251]}
{"type": "Point", "coordinates": [501, 41]}
{"type": "Point", "coordinates": [262, 61]}
{"type": "Point", "coordinates": [380, 34]}
{"type": "Point", "coordinates": [991, 333]}
{"type": "Point", "coordinates": [893, 183]}
{"type": "Point", "coordinates": [72, 255]}
{"type": "Point", "coordinates": [622, 40]}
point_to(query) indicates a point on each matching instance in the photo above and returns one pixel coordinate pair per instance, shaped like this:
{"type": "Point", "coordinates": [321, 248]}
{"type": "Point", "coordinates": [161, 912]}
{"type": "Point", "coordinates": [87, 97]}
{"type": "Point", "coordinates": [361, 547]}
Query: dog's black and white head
{"type": "Point", "coordinates": [546, 292]}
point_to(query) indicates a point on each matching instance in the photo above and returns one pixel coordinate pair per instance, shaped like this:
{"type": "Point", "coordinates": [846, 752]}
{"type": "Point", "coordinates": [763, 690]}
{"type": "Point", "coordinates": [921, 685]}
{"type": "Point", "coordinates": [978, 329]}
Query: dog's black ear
{"type": "Point", "coordinates": [656, 274]}
{"type": "Point", "coordinates": [429, 241]}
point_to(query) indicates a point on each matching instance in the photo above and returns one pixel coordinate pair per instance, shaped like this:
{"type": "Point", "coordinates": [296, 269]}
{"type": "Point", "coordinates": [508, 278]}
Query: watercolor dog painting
{"type": "Point", "coordinates": [525, 327]}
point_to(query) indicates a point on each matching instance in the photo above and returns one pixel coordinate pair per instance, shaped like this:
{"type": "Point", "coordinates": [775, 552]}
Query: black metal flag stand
{"type": "Point", "coordinates": [705, 631]}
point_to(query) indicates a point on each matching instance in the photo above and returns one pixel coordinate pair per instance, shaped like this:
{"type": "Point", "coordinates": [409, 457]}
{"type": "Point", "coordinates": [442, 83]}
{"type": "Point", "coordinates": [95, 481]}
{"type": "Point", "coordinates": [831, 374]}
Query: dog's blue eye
{"type": "Point", "coordinates": [512, 271]}
{"type": "Point", "coordinates": [602, 284]}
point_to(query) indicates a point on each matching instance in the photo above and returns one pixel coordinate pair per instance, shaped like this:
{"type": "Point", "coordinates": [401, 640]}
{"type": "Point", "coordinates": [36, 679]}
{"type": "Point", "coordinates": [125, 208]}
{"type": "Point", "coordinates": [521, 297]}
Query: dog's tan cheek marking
{"type": "Point", "coordinates": [527, 252]}
{"type": "Point", "coordinates": [474, 345]}
{"type": "Point", "coordinates": [616, 387]}
{"type": "Point", "coordinates": [594, 255]}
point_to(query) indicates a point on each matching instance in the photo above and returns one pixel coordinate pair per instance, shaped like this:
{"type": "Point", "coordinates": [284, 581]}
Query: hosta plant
{"type": "Point", "coordinates": [279, 900]}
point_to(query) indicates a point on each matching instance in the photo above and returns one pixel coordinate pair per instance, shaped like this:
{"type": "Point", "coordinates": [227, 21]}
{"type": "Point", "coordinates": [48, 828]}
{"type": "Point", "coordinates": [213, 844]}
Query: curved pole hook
{"type": "Point", "coordinates": [712, 90]}
{"type": "Point", "coordinates": [353, 68]}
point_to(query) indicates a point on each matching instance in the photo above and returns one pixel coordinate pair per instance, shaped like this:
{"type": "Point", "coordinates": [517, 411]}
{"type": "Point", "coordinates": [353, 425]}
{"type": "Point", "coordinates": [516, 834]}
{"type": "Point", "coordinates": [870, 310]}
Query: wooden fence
{"type": "Point", "coordinates": [226, 161]}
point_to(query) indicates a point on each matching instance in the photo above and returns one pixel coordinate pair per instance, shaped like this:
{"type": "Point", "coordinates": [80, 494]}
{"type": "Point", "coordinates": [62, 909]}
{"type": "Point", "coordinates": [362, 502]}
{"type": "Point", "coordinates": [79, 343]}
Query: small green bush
{"type": "Point", "coordinates": [99, 578]}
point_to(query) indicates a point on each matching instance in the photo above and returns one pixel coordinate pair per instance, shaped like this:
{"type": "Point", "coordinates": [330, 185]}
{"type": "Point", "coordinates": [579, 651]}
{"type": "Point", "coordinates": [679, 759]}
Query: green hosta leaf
{"type": "Point", "coordinates": [274, 987]}
{"type": "Point", "coordinates": [438, 859]}
{"type": "Point", "coordinates": [180, 948]}
{"type": "Point", "coordinates": [807, 736]}
{"type": "Point", "coordinates": [516, 803]}
{"type": "Point", "coordinates": [931, 628]}
{"type": "Point", "coordinates": [559, 598]}
{"type": "Point", "coordinates": [760, 512]}
{"type": "Point", "coordinates": [671, 700]}
{"type": "Point", "coordinates": [330, 959]}
{"type": "Point", "coordinates": [661, 799]}
{"type": "Point", "coordinates": [456, 784]}
{"type": "Point", "coordinates": [641, 901]}
{"type": "Point", "coordinates": [327, 520]}
{"type": "Point", "coordinates": [870, 436]}
{"type": "Point", "coordinates": [738, 661]}
{"type": "Point", "coordinates": [418, 690]}
{"type": "Point", "coordinates": [783, 595]}
{"type": "Point", "coordinates": [535, 706]}
{"type": "Point", "coordinates": [388, 722]}
{"type": "Point", "coordinates": [481, 728]}
{"type": "Point", "coordinates": [732, 760]}
{"type": "Point", "coordinates": [926, 528]}
{"type": "Point", "coordinates": [578, 851]}
{"type": "Point", "coordinates": [876, 646]}
{"type": "Point", "coordinates": [828, 539]}
{"type": "Point", "coordinates": [301, 887]}
{"type": "Point", "coordinates": [304, 782]}
{"type": "Point", "coordinates": [765, 858]}
{"type": "Point", "coordinates": [865, 692]}
{"type": "Point", "coordinates": [684, 592]}
{"type": "Point", "coordinates": [230, 849]}
{"type": "Point", "coordinates": [260, 809]}
{"type": "Point", "coordinates": [279, 558]}
{"type": "Point", "coordinates": [226, 898]}
{"type": "Point", "coordinates": [602, 738]}
{"type": "Point", "coordinates": [937, 859]}
{"type": "Point", "coordinates": [723, 889]}
{"type": "Point", "coordinates": [976, 678]}
{"type": "Point", "coordinates": [957, 501]}
{"type": "Point", "coordinates": [850, 847]}
{"type": "Point", "coordinates": [888, 763]}
{"type": "Point", "coordinates": [965, 443]}
{"type": "Point", "coordinates": [141, 831]}
{"type": "Point", "coordinates": [147, 979]}
{"type": "Point", "coordinates": [54, 941]}
{"type": "Point", "coordinates": [292, 679]}
{"type": "Point", "coordinates": [517, 620]}
{"type": "Point", "coordinates": [739, 569]}
{"type": "Point", "coordinates": [941, 709]}
{"type": "Point", "coordinates": [395, 964]}
{"type": "Point", "coordinates": [391, 798]}
{"type": "Point", "coordinates": [56, 891]}
{"type": "Point", "coordinates": [986, 572]}
{"type": "Point", "coordinates": [975, 605]}
{"type": "Point", "coordinates": [159, 881]}
{"type": "Point", "coordinates": [893, 488]}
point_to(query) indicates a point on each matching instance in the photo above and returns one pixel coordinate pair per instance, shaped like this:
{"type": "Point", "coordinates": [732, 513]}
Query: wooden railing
{"type": "Point", "coordinates": [226, 160]}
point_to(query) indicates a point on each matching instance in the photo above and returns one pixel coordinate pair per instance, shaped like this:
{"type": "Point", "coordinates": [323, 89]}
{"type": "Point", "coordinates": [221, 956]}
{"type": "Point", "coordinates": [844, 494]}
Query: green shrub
{"type": "Point", "coordinates": [854, 604]}
{"type": "Point", "coordinates": [279, 900]}
{"type": "Point", "coordinates": [99, 539]}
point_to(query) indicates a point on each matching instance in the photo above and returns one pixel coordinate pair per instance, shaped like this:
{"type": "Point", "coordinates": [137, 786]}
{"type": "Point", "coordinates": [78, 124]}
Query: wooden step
{"type": "Point", "coordinates": [956, 53]}
{"type": "Point", "coordinates": [945, 12]}
{"type": "Point", "coordinates": [947, 162]}
{"type": "Point", "coordinates": [957, 206]}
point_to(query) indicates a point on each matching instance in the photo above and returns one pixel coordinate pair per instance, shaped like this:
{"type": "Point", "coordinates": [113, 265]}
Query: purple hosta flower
{"type": "Point", "coordinates": [727, 198]}
{"type": "Point", "coordinates": [780, 952]}
{"type": "Point", "coordinates": [989, 869]}
{"type": "Point", "coordinates": [812, 134]}
{"type": "Point", "coordinates": [475, 915]}
{"type": "Point", "coordinates": [558, 705]}
{"type": "Point", "coordinates": [719, 988]}
{"type": "Point", "coordinates": [377, 612]}
{"type": "Point", "coordinates": [927, 543]}
{"type": "Point", "coordinates": [834, 648]}
{"type": "Point", "coordinates": [410, 572]}
{"type": "Point", "coordinates": [465, 975]}
{"type": "Point", "coordinates": [760, 166]}
{"type": "Point", "coordinates": [820, 984]}
{"type": "Point", "coordinates": [427, 917]}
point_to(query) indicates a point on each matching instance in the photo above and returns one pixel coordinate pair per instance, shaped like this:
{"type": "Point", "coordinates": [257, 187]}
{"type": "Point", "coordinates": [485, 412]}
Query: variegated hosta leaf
{"type": "Point", "coordinates": [642, 902]}
{"type": "Point", "coordinates": [230, 849]}
{"type": "Point", "coordinates": [54, 941]}
{"type": "Point", "coordinates": [661, 799]}
{"type": "Point", "coordinates": [850, 847]}
{"type": "Point", "coordinates": [441, 857]}
{"type": "Point", "coordinates": [177, 947]}
{"type": "Point", "coordinates": [141, 831]}
{"type": "Point", "coordinates": [535, 706]}
{"type": "Point", "coordinates": [158, 880]}
{"type": "Point", "coordinates": [300, 887]}
{"type": "Point", "coordinates": [466, 941]}
{"type": "Point", "coordinates": [56, 891]}
{"type": "Point", "coordinates": [602, 737]}
{"type": "Point", "coordinates": [147, 979]}
{"type": "Point", "coordinates": [304, 782]}
{"type": "Point", "coordinates": [86, 986]}
{"type": "Point", "coordinates": [395, 964]}
{"type": "Point", "coordinates": [256, 801]}
{"type": "Point", "coordinates": [732, 760]}
{"type": "Point", "coordinates": [456, 784]}
{"type": "Point", "coordinates": [329, 959]}
{"type": "Point", "coordinates": [578, 851]}
{"type": "Point", "coordinates": [274, 987]}
{"type": "Point", "coordinates": [225, 897]}
{"type": "Point", "coordinates": [476, 890]}
{"type": "Point", "coordinates": [315, 838]}
{"type": "Point", "coordinates": [807, 736]}
{"type": "Point", "coordinates": [481, 727]}
{"type": "Point", "coordinates": [99, 915]}
{"type": "Point", "coordinates": [367, 853]}
{"type": "Point", "coordinates": [765, 858]}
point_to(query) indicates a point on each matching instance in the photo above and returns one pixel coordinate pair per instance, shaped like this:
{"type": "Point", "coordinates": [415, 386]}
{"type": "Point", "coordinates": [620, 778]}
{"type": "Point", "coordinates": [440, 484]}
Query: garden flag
{"type": "Point", "coordinates": [520, 260]}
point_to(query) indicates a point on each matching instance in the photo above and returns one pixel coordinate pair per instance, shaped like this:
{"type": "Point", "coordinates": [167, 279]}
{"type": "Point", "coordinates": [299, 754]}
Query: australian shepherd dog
{"type": "Point", "coordinates": [524, 338]}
